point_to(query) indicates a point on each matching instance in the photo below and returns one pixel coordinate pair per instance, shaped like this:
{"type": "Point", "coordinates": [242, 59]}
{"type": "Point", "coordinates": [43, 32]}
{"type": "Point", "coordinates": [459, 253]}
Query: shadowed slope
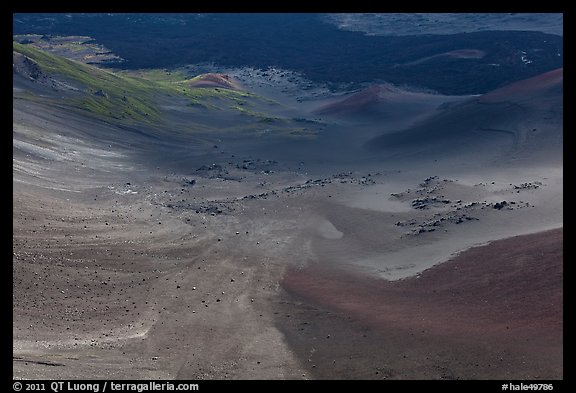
{"type": "Point", "coordinates": [524, 116]}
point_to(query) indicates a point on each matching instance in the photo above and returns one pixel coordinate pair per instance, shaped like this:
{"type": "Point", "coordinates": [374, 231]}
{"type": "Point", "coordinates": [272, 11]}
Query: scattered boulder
{"type": "Point", "coordinates": [500, 205]}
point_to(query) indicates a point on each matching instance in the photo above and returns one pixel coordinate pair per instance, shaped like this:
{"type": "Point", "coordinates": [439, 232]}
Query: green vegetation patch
{"type": "Point", "coordinates": [121, 97]}
{"type": "Point", "coordinates": [128, 98]}
{"type": "Point", "coordinates": [156, 75]}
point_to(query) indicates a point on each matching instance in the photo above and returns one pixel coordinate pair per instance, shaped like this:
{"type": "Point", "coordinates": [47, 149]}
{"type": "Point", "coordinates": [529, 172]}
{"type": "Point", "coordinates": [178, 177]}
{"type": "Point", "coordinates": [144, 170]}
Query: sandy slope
{"type": "Point", "coordinates": [215, 80]}
{"type": "Point", "coordinates": [494, 311]}
{"type": "Point", "coordinates": [146, 253]}
{"type": "Point", "coordinates": [383, 102]}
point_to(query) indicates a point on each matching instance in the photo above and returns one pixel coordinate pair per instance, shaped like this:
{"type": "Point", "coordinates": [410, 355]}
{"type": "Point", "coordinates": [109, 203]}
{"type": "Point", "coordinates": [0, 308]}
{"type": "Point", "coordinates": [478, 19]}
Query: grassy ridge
{"type": "Point", "coordinates": [177, 81]}
{"type": "Point", "coordinates": [133, 98]}
{"type": "Point", "coordinates": [123, 97]}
